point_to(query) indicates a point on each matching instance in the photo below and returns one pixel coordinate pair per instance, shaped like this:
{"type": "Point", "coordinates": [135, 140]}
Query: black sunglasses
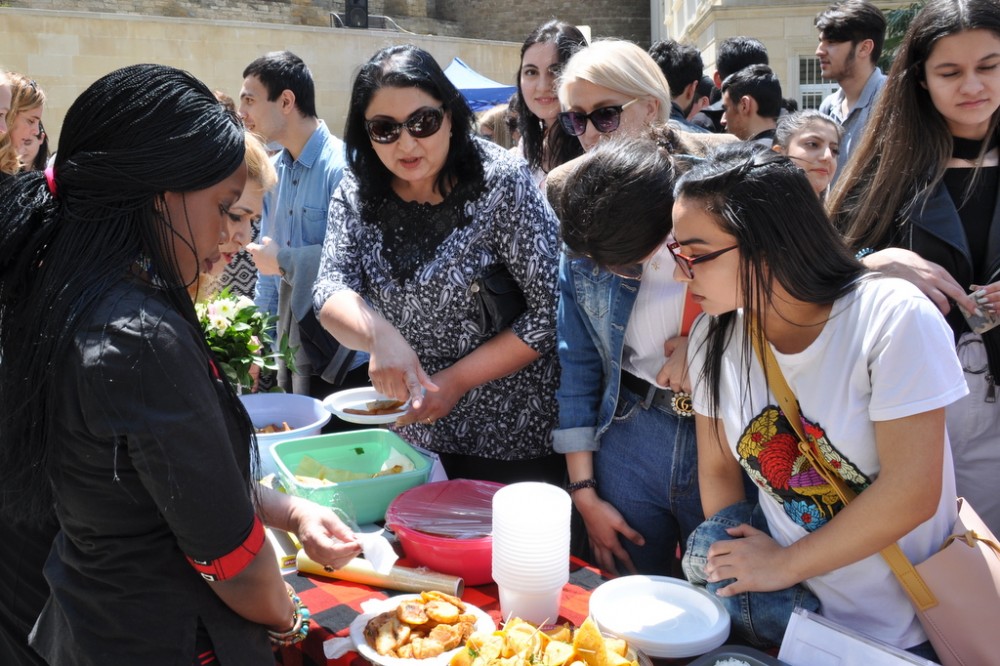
{"type": "Point", "coordinates": [421, 124]}
{"type": "Point", "coordinates": [605, 119]}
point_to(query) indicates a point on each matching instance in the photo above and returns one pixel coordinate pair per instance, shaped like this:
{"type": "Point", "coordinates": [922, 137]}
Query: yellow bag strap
{"type": "Point", "coordinates": [914, 586]}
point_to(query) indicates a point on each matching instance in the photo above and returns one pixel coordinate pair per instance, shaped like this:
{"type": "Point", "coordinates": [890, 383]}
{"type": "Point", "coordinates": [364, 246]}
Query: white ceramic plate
{"type": "Point", "coordinates": [357, 398]}
{"type": "Point", "coordinates": [663, 617]}
{"type": "Point", "coordinates": [483, 623]}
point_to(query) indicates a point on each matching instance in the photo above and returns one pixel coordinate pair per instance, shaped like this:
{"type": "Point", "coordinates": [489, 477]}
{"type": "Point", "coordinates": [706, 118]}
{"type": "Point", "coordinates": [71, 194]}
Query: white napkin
{"type": "Point", "coordinates": [378, 551]}
{"type": "Point", "coordinates": [335, 648]}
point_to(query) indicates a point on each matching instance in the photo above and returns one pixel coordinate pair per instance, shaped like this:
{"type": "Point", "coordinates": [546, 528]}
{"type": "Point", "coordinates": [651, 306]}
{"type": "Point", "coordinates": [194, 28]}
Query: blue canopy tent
{"type": "Point", "coordinates": [480, 92]}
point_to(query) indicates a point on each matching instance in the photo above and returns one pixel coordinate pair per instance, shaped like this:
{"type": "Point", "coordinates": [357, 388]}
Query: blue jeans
{"type": "Point", "coordinates": [647, 469]}
{"type": "Point", "coordinates": [760, 618]}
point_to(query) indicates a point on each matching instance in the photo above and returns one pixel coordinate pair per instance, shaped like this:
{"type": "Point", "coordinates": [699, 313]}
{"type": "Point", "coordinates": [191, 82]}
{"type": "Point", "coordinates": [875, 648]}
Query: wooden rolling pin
{"type": "Point", "coordinates": [360, 570]}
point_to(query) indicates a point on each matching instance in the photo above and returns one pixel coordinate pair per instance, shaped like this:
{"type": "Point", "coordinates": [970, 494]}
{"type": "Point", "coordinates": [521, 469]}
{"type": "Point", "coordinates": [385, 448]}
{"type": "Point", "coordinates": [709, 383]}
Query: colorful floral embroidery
{"type": "Point", "coordinates": [769, 451]}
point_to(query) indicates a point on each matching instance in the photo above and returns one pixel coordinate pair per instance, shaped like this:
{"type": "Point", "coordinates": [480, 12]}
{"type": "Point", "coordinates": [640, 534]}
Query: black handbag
{"type": "Point", "coordinates": [499, 299]}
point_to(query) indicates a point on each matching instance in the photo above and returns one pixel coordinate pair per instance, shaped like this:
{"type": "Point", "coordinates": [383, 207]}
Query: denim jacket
{"type": "Point", "coordinates": [594, 309]}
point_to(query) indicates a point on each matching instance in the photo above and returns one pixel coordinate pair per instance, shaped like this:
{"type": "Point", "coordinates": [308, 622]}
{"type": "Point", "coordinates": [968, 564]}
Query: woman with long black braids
{"type": "Point", "coordinates": [116, 418]}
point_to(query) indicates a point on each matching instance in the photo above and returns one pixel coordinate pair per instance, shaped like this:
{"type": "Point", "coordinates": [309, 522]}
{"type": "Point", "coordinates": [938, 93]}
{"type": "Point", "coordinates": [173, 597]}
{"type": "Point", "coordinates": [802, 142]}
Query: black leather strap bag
{"type": "Point", "coordinates": [498, 298]}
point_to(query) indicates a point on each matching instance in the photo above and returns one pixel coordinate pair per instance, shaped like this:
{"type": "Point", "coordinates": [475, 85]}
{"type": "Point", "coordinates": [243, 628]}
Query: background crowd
{"type": "Point", "coordinates": [595, 285]}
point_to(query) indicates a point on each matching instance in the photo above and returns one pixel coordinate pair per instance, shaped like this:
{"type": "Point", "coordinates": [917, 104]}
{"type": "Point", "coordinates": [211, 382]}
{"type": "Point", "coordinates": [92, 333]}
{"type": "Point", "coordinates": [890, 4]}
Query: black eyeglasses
{"type": "Point", "coordinates": [687, 263]}
{"type": "Point", "coordinates": [421, 124]}
{"type": "Point", "coordinates": [605, 119]}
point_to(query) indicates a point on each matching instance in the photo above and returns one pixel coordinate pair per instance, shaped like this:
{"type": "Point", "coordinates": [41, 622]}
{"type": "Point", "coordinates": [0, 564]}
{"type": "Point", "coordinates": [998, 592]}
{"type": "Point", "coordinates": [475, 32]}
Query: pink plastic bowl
{"type": "Point", "coordinates": [443, 506]}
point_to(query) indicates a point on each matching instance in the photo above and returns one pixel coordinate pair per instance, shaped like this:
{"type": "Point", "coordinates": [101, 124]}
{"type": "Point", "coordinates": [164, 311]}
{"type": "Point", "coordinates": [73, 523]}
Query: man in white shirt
{"type": "Point", "coordinates": [851, 34]}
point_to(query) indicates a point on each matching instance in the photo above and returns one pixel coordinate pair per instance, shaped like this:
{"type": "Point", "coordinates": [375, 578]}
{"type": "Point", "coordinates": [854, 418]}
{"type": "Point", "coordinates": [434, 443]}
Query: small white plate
{"type": "Point", "coordinates": [357, 398]}
{"type": "Point", "coordinates": [663, 617]}
{"type": "Point", "coordinates": [484, 623]}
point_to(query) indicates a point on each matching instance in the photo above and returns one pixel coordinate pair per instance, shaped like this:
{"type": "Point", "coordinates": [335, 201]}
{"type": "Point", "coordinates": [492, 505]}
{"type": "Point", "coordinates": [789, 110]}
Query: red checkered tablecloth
{"type": "Point", "coordinates": [335, 603]}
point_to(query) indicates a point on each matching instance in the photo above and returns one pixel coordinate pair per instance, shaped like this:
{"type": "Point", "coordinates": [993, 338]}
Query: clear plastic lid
{"type": "Point", "coordinates": [458, 509]}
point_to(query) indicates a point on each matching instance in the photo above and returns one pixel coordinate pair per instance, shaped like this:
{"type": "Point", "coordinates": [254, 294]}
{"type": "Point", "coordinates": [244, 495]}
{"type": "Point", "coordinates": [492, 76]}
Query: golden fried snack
{"type": "Point", "coordinates": [412, 612]}
{"type": "Point", "coordinates": [431, 595]}
{"type": "Point", "coordinates": [377, 408]}
{"type": "Point", "coordinates": [442, 611]}
{"type": "Point", "coordinates": [421, 628]}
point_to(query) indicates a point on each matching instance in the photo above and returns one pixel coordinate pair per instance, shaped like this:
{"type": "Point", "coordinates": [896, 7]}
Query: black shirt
{"type": "Point", "coordinates": [150, 470]}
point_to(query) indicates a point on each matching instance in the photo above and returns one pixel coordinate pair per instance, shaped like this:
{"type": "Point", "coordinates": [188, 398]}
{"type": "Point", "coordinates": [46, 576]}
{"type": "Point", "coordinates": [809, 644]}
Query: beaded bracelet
{"type": "Point", "coordinates": [300, 625]}
{"type": "Point", "coordinates": [864, 252]}
{"type": "Point", "coordinates": [580, 485]}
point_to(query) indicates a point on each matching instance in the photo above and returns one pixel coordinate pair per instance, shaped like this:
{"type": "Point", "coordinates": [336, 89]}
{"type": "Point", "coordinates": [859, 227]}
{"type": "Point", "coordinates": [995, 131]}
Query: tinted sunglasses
{"type": "Point", "coordinates": [605, 119]}
{"type": "Point", "coordinates": [421, 124]}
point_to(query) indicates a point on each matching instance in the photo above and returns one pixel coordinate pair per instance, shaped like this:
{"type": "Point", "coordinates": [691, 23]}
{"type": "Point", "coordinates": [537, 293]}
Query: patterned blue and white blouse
{"type": "Point", "coordinates": [414, 263]}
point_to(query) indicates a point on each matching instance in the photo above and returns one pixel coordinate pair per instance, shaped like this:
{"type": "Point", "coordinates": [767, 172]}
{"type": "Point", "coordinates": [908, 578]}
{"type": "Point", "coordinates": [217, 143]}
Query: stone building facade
{"type": "Point", "coordinates": [502, 20]}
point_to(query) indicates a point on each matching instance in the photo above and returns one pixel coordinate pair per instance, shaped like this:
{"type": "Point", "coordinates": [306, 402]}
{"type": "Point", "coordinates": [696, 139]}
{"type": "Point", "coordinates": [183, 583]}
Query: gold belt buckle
{"type": "Point", "coordinates": [681, 404]}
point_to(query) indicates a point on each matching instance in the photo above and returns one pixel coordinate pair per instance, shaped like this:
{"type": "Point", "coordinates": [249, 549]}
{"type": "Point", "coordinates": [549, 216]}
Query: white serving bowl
{"type": "Point", "coordinates": [305, 415]}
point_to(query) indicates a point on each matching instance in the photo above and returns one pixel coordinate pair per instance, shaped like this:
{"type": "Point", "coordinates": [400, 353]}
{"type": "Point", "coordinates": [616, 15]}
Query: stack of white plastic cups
{"type": "Point", "coordinates": [531, 550]}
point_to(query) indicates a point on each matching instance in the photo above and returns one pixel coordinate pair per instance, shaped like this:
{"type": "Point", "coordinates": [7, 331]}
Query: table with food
{"type": "Point", "coordinates": [440, 604]}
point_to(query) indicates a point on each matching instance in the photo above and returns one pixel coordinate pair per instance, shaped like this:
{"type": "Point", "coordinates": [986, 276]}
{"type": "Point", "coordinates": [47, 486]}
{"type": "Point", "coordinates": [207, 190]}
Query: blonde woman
{"type": "Point", "coordinates": [23, 120]}
{"type": "Point", "coordinates": [241, 218]}
{"type": "Point", "coordinates": [630, 454]}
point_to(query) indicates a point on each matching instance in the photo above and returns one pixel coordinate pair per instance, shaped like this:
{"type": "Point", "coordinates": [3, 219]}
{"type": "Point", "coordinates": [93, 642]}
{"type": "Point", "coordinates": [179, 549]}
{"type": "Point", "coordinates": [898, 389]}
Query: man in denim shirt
{"type": "Point", "coordinates": [278, 102]}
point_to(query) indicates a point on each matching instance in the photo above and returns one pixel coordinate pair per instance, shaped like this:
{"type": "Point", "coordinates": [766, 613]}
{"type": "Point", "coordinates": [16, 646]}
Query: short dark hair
{"type": "Point", "coordinates": [705, 88]}
{"type": "Point", "coordinates": [408, 66]}
{"type": "Point", "coordinates": [735, 53]}
{"type": "Point", "coordinates": [759, 82]}
{"type": "Point", "coordinates": [853, 21]}
{"type": "Point", "coordinates": [681, 64]}
{"type": "Point", "coordinates": [615, 205]}
{"type": "Point", "coordinates": [283, 70]}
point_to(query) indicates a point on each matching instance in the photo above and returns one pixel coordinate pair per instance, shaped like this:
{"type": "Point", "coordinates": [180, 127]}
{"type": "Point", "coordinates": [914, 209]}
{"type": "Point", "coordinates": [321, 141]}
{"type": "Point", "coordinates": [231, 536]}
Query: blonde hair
{"type": "Point", "coordinates": [621, 66]}
{"type": "Point", "coordinates": [260, 172]}
{"type": "Point", "coordinates": [496, 119]}
{"type": "Point", "coordinates": [259, 167]}
{"type": "Point", "coordinates": [24, 96]}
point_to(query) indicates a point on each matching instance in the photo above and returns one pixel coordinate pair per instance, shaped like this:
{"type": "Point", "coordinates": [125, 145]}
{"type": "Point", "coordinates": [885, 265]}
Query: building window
{"type": "Point", "coordinates": [812, 87]}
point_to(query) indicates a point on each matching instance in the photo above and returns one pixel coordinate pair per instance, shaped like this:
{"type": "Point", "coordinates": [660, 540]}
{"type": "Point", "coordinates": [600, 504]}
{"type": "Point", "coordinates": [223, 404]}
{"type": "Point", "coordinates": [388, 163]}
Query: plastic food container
{"type": "Point", "coordinates": [446, 526]}
{"type": "Point", "coordinates": [730, 655]}
{"type": "Point", "coordinates": [364, 452]}
{"type": "Point", "coordinates": [305, 416]}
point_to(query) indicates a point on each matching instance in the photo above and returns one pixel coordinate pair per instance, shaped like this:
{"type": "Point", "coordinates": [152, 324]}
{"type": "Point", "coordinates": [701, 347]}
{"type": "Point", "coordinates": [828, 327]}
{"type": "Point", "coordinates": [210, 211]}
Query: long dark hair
{"type": "Point", "coordinates": [903, 158]}
{"type": "Point", "coordinates": [408, 66]}
{"type": "Point", "coordinates": [792, 244]}
{"type": "Point", "coordinates": [131, 136]}
{"type": "Point", "coordinates": [539, 140]}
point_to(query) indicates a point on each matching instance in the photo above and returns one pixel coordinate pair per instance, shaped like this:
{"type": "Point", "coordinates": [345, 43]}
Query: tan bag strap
{"type": "Point", "coordinates": [914, 586]}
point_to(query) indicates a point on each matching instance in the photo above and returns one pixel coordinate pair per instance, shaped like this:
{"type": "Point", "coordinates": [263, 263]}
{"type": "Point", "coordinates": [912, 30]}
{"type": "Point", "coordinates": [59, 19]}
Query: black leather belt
{"type": "Point", "coordinates": [653, 395]}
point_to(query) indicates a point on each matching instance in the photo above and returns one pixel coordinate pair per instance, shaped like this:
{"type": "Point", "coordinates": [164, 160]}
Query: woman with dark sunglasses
{"type": "Point", "coordinates": [424, 209]}
{"type": "Point", "coordinates": [629, 447]}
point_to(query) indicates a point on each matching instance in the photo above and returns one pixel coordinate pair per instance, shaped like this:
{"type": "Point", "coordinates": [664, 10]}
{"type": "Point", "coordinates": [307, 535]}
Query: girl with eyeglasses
{"type": "Point", "coordinates": [543, 142]}
{"type": "Point", "coordinates": [861, 355]}
{"type": "Point", "coordinates": [628, 442]}
{"type": "Point", "coordinates": [921, 198]}
{"type": "Point", "coordinates": [425, 208]}
{"type": "Point", "coordinates": [24, 121]}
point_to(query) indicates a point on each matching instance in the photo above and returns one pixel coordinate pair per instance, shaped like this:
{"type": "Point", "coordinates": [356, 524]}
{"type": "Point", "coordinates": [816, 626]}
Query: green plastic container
{"type": "Point", "coordinates": [362, 451]}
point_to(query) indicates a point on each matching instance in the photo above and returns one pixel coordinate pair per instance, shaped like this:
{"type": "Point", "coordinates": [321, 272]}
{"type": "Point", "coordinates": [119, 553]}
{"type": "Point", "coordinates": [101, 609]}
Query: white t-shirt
{"type": "Point", "coordinates": [655, 318]}
{"type": "Point", "coordinates": [885, 353]}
